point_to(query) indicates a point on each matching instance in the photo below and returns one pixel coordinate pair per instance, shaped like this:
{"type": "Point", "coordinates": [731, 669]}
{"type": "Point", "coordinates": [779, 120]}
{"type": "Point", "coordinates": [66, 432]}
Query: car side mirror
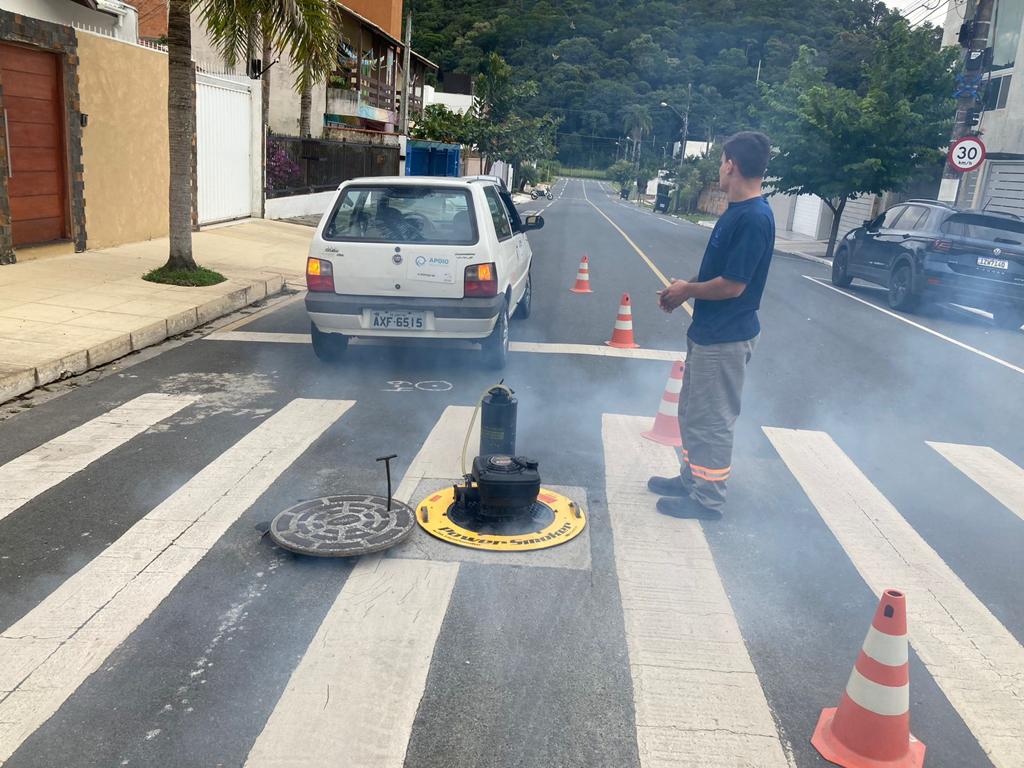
{"type": "Point", "coordinates": [872, 224]}
{"type": "Point", "coordinates": [533, 221]}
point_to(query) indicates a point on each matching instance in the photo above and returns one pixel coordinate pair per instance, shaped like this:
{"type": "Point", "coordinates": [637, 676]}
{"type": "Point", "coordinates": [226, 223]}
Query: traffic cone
{"type": "Point", "coordinates": [666, 423]}
{"type": "Point", "coordinates": [871, 726]}
{"type": "Point", "coordinates": [622, 336]}
{"type": "Point", "coordinates": [582, 277]}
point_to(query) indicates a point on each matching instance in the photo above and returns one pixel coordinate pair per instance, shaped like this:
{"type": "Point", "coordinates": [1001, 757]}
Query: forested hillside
{"type": "Point", "coordinates": [595, 58]}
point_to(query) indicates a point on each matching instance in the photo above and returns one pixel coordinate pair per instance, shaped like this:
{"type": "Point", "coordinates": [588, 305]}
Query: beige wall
{"type": "Point", "coordinates": [386, 14]}
{"type": "Point", "coordinates": [123, 90]}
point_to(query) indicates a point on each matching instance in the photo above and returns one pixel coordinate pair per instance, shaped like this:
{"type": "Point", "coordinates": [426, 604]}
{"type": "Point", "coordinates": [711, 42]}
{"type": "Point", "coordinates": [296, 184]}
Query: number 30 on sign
{"type": "Point", "coordinates": [967, 153]}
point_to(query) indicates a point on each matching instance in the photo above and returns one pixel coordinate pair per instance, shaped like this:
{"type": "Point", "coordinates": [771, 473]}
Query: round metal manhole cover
{"type": "Point", "coordinates": [342, 526]}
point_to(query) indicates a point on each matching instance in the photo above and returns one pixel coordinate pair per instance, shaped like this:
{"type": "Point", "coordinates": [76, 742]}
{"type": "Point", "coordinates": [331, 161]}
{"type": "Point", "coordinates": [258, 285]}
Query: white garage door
{"type": "Point", "coordinates": [223, 149]}
{"type": "Point", "coordinates": [1004, 188]}
{"type": "Point", "coordinates": [807, 214]}
{"type": "Point", "coordinates": [855, 213]}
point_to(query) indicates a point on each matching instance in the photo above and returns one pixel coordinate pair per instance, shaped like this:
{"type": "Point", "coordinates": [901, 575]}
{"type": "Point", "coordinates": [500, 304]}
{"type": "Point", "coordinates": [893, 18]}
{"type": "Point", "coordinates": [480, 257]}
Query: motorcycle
{"type": "Point", "coordinates": [541, 192]}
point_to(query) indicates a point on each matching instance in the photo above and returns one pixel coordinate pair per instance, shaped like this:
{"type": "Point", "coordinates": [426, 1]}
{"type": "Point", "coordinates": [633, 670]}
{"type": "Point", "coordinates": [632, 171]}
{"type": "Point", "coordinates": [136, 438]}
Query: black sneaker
{"type": "Point", "coordinates": [668, 486]}
{"type": "Point", "coordinates": [687, 509]}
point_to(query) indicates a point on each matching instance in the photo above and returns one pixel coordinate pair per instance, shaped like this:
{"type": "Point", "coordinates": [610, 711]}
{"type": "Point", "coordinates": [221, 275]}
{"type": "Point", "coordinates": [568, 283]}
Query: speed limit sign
{"type": "Point", "coordinates": [967, 153]}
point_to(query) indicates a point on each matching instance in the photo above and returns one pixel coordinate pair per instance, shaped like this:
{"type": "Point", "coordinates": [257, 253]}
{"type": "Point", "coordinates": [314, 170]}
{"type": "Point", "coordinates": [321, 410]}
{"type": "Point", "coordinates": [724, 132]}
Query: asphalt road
{"type": "Point", "coordinates": [148, 622]}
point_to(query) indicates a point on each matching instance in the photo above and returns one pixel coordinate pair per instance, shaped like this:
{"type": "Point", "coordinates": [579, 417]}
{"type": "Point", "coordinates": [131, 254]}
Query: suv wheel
{"type": "Point", "coordinates": [1009, 317]}
{"type": "Point", "coordinates": [495, 346]}
{"type": "Point", "coordinates": [840, 268]}
{"type": "Point", "coordinates": [901, 289]}
{"type": "Point", "coordinates": [526, 302]}
{"type": "Point", "coordinates": [329, 347]}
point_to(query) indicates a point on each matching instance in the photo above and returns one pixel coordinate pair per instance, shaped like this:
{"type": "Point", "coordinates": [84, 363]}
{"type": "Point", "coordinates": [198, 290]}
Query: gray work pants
{"type": "Point", "coordinates": [708, 406]}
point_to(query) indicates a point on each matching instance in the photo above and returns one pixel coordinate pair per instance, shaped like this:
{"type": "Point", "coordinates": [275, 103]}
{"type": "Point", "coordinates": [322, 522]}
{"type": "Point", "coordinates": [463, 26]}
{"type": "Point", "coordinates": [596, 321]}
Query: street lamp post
{"type": "Point", "coordinates": [684, 132]}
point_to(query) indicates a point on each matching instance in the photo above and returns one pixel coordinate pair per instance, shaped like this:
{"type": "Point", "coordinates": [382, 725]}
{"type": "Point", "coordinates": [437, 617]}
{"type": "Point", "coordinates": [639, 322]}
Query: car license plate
{"type": "Point", "coordinates": [407, 321]}
{"type": "Point", "coordinates": [985, 261]}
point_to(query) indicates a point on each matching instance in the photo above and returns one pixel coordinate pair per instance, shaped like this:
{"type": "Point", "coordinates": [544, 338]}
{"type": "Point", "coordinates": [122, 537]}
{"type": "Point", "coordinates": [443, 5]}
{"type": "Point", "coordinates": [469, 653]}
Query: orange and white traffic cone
{"type": "Point", "coordinates": [582, 277]}
{"type": "Point", "coordinates": [666, 423]}
{"type": "Point", "coordinates": [871, 726]}
{"type": "Point", "coordinates": [622, 336]}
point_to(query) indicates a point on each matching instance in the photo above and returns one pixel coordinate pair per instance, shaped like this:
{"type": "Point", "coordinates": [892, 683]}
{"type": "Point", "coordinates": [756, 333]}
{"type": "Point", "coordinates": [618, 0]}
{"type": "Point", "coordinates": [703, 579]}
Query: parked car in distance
{"type": "Point", "coordinates": [925, 250]}
{"type": "Point", "coordinates": [419, 257]}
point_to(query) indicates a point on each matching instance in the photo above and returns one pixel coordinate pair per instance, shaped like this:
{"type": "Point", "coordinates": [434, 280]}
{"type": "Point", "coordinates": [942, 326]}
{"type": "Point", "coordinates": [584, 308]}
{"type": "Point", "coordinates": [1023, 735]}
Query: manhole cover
{"type": "Point", "coordinates": [342, 526]}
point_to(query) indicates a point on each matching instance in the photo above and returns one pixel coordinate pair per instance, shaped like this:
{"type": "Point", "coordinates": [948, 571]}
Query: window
{"type": "Point", "coordinates": [1006, 33]}
{"type": "Point", "coordinates": [994, 229]}
{"type": "Point", "coordinates": [498, 214]}
{"type": "Point", "coordinates": [403, 214]}
{"type": "Point", "coordinates": [889, 221]}
{"type": "Point", "coordinates": [916, 217]}
{"type": "Point", "coordinates": [995, 93]}
{"type": "Point", "coordinates": [513, 214]}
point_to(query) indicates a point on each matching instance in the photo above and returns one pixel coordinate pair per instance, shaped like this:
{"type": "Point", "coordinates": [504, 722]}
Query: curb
{"type": "Point", "coordinates": [17, 382]}
{"type": "Point", "coordinates": [805, 256]}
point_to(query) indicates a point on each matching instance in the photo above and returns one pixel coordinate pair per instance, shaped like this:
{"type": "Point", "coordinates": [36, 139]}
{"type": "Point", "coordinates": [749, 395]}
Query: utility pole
{"type": "Point", "coordinates": [974, 37]}
{"type": "Point", "coordinates": [403, 115]}
{"type": "Point", "coordinates": [686, 128]}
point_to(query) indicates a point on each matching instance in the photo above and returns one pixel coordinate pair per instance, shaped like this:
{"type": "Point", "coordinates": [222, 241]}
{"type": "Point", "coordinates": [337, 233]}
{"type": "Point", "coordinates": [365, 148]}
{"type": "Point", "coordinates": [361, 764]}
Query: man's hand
{"type": "Point", "coordinates": [672, 297]}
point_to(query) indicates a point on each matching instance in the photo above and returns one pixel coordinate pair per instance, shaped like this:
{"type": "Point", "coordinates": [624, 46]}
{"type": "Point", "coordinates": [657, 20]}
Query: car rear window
{"type": "Point", "coordinates": [403, 214]}
{"type": "Point", "coordinates": [994, 229]}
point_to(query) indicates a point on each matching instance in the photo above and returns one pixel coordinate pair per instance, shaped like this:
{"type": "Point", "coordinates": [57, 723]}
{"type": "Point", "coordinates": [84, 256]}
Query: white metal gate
{"type": "Point", "coordinates": [807, 215]}
{"type": "Point", "coordinates": [856, 212]}
{"type": "Point", "coordinates": [223, 148]}
{"type": "Point", "coordinates": [1004, 188]}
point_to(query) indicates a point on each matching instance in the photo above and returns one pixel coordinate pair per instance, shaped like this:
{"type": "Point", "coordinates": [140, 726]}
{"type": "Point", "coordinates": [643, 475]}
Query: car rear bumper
{"type": "Point", "coordinates": [939, 282]}
{"type": "Point", "coordinates": [444, 318]}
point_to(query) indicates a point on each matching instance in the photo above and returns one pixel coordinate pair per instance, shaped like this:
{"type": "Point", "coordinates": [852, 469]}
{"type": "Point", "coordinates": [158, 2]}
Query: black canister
{"type": "Point", "coordinates": [498, 422]}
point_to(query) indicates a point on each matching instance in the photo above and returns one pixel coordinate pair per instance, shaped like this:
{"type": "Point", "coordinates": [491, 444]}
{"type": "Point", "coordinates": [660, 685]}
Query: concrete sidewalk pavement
{"type": "Point", "coordinates": [67, 314]}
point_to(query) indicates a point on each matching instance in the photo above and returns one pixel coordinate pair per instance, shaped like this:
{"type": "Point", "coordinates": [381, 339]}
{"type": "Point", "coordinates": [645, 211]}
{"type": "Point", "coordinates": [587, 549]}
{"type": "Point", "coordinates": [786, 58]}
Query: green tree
{"type": "Point", "coordinates": [622, 173]}
{"type": "Point", "coordinates": [301, 27]}
{"type": "Point", "coordinates": [439, 123]}
{"type": "Point", "coordinates": [636, 121]}
{"type": "Point", "coordinates": [838, 143]}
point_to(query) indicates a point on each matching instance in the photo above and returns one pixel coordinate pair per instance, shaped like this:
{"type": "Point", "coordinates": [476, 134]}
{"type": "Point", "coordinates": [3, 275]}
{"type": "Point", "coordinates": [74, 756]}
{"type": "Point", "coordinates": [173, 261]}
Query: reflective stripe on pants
{"type": "Point", "coordinates": [708, 407]}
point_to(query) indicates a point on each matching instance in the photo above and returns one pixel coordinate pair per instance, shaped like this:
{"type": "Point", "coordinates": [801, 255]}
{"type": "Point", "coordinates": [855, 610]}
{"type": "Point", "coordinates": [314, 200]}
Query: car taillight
{"type": "Point", "coordinates": [941, 245]}
{"type": "Point", "coordinates": [319, 275]}
{"type": "Point", "coordinates": [481, 281]}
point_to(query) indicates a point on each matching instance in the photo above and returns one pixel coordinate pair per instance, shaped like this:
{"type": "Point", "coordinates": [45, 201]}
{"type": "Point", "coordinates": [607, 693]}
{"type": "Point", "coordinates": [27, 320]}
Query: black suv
{"type": "Point", "coordinates": [924, 250]}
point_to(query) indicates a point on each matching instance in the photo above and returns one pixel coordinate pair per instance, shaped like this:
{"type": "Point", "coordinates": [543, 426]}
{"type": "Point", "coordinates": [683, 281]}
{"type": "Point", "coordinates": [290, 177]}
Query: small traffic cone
{"type": "Point", "coordinates": [622, 336]}
{"type": "Point", "coordinates": [871, 726]}
{"type": "Point", "coordinates": [666, 423]}
{"type": "Point", "coordinates": [582, 277]}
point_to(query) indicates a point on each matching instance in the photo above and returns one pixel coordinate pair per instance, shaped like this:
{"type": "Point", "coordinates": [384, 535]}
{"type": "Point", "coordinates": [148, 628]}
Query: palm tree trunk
{"type": "Point", "coordinates": [305, 108]}
{"type": "Point", "coordinates": [181, 122]}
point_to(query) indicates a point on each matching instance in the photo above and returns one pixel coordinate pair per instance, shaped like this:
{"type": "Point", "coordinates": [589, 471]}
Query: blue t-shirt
{"type": "Point", "coordinates": [740, 249]}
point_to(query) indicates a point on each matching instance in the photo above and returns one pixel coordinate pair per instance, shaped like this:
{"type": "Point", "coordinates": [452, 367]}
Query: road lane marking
{"type": "Point", "coordinates": [536, 347]}
{"type": "Point", "coordinates": [38, 470]}
{"type": "Point", "coordinates": [999, 476]}
{"type": "Point", "coordinates": [352, 699]}
{"type": "Point", "coordinates": [920, 327]}
{"type": "Point", "coordinates": [976, 662]}
{"type": "Point", "coordinates": [51, 651]}
{"type": "Point", "coordinates": [657, 272]}
{"type": "Point", "coordinates": [697, 697]}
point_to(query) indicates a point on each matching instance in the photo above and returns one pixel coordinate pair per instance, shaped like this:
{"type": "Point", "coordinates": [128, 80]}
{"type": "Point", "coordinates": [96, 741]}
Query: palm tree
{"type": "Point", "coordinates": [303, 28]}
{"type": "Point", "coordinates": [636, 121]}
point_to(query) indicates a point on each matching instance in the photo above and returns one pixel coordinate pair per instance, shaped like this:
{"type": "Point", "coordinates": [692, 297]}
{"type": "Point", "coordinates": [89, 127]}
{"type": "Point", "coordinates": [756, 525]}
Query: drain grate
{"type": "Point", "coordinates": [342, 526]}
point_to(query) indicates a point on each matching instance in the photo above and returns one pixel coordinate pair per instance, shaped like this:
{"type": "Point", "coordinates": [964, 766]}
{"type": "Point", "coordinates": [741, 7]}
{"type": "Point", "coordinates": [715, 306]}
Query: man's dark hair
{"type": "Point", "coordinates": [750, 150]}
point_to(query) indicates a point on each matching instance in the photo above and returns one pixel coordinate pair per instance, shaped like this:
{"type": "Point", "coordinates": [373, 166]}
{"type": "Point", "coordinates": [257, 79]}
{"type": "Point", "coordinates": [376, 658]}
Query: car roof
{"type": "Point", "coordinates": [410, 181]}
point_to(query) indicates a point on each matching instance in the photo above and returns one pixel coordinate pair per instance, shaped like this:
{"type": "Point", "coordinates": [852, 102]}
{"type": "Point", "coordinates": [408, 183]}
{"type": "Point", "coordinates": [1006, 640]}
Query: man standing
{"type": "Point", "coordinates": [725, 329]}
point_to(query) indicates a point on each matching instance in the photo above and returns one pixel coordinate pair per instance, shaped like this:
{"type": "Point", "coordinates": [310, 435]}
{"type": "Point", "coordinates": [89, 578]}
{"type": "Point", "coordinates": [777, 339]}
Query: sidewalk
{"type": "Point", "coordinates": [794, 244]}
{"type": "Point", "coordinates": [67, 314]}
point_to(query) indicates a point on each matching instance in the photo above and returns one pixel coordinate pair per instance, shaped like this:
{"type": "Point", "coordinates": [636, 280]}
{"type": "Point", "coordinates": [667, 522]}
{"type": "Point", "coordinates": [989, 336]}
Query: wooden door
{"type": "Point", "coordinates": [34, 120]}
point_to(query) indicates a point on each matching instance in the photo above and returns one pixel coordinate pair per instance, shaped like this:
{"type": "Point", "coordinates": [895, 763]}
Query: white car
{"type": "Point", "coordinates": [419, 257]}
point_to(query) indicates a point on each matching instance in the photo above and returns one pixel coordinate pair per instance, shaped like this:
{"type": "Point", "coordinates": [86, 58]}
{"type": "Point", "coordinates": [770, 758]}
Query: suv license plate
{"type": "Point", "coordinates": [409, 321]}
{"type": "Point", "coordinates": [985, 261]}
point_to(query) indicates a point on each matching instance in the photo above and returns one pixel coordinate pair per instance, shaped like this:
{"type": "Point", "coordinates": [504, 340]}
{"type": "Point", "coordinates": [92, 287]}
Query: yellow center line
{"type": "Point", "coordinates": [657, 272]}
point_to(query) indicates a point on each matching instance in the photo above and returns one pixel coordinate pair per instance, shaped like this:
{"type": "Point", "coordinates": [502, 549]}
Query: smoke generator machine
{"type": "Point", "coordinates": [500, 504]}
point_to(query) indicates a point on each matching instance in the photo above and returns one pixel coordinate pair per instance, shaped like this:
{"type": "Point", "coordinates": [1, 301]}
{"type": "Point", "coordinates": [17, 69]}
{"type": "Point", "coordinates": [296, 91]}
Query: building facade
{"type": "Point", "coordinates": [999, 183]}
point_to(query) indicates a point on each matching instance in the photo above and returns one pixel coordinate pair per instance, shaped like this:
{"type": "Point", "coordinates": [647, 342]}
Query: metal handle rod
{"type": "Point", "coordinates": [387, 471]}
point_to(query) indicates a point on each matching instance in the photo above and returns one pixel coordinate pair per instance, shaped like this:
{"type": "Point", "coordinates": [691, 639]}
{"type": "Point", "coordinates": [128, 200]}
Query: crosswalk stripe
{"type": "Point", "coordinates": [990, 469]}
{"type": "Point", "coordinates": [38, 470]}
{"type": "Point", "coordinates": [697, 696]}
{"type": "Point", "coordinates": [974, 659]}
{"type": "Point", "coordinates": [353, 698]}
{"type": "Point", "coordinates": [58, 644]}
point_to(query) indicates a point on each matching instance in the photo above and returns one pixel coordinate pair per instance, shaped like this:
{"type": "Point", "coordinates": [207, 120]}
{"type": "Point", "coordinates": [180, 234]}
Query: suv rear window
{"type": "Point", "coordinates": [403, 214]}
{"type": "Point", "coordinates": [994, 229]}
